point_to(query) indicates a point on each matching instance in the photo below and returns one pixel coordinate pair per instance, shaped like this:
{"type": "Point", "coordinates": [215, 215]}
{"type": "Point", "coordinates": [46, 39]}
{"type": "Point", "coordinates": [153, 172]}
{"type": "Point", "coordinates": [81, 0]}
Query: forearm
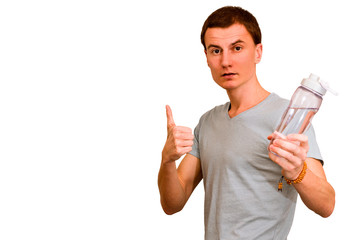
{"type": "Point", "coordinates": [172, 194]}
{"type": "Point", "coordinates": [317, 194]}
{"type": "Point", "coordinates": [290, 153]}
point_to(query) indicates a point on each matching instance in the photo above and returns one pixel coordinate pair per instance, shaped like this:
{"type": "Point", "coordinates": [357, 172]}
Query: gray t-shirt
{"type": "Point", "coordinates": [240, 180]}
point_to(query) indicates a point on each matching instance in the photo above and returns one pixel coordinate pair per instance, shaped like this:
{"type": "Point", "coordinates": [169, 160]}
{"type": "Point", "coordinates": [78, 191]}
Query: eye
{"type": "Point", "coordinates": [215, 51]}
{"type": "Point", "coordinates": [237, 48]}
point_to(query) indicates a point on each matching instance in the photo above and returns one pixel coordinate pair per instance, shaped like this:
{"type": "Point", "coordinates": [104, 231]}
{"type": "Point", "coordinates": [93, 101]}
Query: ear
{"type": "Point", "coordinates": [258, 53]}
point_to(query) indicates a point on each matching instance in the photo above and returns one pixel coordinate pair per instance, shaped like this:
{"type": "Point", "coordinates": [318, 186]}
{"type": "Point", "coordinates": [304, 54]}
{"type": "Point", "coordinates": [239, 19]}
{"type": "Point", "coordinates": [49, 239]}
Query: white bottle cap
{"type": "Point", "coordinates": [313, 82]}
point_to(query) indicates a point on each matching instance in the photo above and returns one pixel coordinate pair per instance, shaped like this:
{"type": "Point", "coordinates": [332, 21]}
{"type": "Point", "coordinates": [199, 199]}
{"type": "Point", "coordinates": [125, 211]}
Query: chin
{"type": "Point", "coordinates": [228, 85]}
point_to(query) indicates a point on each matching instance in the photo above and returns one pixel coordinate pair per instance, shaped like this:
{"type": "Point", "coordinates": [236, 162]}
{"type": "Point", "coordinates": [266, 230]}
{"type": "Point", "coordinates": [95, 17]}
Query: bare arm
{"type": "Point", "coordinates": [314, 190]}
{"type": "Point", "coordinates": [316, 193]}
{"type": "Point", "coordinates": [176, 185]}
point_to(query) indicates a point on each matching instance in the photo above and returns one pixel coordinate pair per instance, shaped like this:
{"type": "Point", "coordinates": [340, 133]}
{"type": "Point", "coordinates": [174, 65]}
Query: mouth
{"type": "Point", "coordinates": [228, 74]}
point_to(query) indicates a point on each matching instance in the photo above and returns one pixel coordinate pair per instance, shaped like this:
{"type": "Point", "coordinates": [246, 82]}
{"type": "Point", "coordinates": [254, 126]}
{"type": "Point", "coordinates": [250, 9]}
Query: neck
{"type": "Point", "coordinates": [246, 97]}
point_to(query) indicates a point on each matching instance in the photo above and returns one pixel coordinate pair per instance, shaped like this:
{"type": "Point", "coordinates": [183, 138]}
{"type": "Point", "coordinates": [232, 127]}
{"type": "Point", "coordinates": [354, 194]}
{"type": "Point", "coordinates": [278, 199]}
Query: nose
{"type": "Point", "coordinates": [226, 59]}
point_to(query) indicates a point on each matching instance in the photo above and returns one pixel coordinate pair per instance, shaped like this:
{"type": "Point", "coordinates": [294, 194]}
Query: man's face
{"type": "Point", "coordinates": [232, 55]}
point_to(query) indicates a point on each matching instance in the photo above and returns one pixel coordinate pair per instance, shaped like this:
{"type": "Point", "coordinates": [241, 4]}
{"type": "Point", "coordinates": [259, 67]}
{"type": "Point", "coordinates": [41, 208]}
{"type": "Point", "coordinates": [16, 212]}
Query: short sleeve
{"type": "Point", "coordinates": [314, 151]}
{"type": "Point", "coordinates": [195, 147]}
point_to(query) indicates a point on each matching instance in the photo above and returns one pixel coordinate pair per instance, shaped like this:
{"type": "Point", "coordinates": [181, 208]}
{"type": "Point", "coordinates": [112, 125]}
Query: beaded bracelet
{"type": "Point", "coordinates": [297, 180]}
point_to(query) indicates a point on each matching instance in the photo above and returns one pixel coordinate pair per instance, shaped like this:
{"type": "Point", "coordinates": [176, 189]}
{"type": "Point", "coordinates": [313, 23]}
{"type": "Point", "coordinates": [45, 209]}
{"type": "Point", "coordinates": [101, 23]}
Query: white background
{"type": "Point", "coordinates": [83, 89]}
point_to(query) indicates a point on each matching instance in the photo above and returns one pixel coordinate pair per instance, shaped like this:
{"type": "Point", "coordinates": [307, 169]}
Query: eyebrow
{"type": "Point", "coordinates": [238, 41]}
{"type": "Point", "coordinates": [232, 44]}
{"type": "Point", "coordinates": [213, 45]}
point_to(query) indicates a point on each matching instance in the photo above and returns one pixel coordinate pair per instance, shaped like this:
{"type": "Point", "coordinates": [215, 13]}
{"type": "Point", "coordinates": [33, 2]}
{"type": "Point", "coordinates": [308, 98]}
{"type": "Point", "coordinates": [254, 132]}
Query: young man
{"type": "Point", "coordinates": [229, 148]}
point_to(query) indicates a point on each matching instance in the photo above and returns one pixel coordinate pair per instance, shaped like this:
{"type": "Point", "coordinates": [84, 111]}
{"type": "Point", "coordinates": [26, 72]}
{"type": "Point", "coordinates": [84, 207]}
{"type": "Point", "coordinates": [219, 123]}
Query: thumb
{"type": "Point", "coordinates": [169, 116]}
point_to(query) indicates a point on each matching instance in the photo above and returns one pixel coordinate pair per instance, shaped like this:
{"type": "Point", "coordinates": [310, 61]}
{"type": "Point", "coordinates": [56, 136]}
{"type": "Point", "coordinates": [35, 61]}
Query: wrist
{"type": "Point", "coordinates": [166, 160]}
{"type": "Point", "coordinates": [299, 178]}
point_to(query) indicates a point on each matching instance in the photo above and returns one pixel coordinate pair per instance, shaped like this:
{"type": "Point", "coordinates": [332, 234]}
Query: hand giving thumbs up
{"type": "Point", "coordinates": [179, 139]}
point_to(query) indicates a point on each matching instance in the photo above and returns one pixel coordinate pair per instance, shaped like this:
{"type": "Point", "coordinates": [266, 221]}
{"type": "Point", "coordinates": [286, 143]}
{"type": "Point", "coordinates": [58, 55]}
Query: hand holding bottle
{"type": "Point", "coordinates": [288, 146]}
{"type": "Point", "coordinates": [289, 153]}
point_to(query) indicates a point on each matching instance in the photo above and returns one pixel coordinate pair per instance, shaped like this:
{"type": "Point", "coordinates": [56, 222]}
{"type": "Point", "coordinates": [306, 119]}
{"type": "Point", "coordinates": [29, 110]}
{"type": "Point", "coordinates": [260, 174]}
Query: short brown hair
{"type": "Point", "coordinates": [226, 16]}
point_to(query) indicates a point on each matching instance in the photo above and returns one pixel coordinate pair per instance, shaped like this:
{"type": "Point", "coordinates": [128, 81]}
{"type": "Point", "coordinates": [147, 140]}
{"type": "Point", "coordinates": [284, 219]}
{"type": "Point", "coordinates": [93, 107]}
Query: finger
{"type": "Point", "coordinates": [289, 169]}
{"type": "Point", "coordinates": [282, 162]}
{"type": "Point", "coordinates": [297, 137]}
{"type": "Point", "coordinates": [181, 129]}
{"type": "Point", "coordinates": [169, 116]}
{"type": "Point", "coordinates": [289, 146]}
{"type": "Point", "coordinates": [276, 134]}
{"type": "Point", "coordinates": [279, 135]}
{"type": "Point", "coordinates": [179, 151]}
{"type": "Point", "coordinates": [183, 136]}
{"type": "Point", "coordinates": [185, 143]}
{"type": "Point", "coordinates": [186, 150]}
{"type": "Point", "coordinates": [275, 148]}
{"type": "Point", "coordinates": [301, 138]}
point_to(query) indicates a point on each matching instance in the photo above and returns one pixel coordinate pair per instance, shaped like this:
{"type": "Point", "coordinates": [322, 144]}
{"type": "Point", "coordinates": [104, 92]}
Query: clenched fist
{"type": "Point", "coordinates": [179, 139]}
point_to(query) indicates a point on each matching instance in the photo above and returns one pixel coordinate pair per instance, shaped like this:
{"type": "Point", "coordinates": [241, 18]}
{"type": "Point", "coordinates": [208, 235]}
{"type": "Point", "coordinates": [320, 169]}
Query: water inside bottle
{"type": "Point", "coordinates": [296, 120]}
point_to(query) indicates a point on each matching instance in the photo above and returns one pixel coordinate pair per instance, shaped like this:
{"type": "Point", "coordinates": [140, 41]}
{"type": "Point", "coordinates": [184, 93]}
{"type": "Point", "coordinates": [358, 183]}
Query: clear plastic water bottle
{"type": "Point", "coordinates": [304, 104]}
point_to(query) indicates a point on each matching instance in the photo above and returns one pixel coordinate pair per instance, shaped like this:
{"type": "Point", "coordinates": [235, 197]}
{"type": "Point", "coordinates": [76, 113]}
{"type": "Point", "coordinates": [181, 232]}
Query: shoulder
{"type": "Point", "coordinates": [215, 114]}
{"type": "Point", "coordinates": [275, 105]}
{"type": "Point", "coordinates": [270, 112]}
{"type": "Point", "coordinates": [219, 110]}
{"type": "Point", "coordinates": [276, 100]}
